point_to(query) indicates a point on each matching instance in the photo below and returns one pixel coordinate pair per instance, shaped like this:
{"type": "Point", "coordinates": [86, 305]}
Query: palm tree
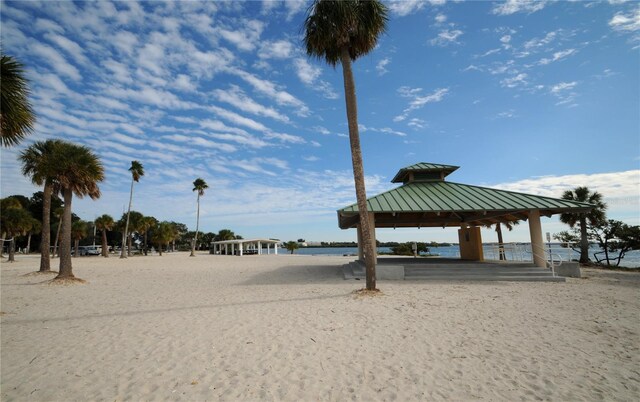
{"type": "Point", "coordinates": [225, 234]}
{"type": "Point", "coordinates": [137, 171]}
{"type": "Point", "coordinates": [104, 223]}
{"type": "Point", "coordinates": [36, 227]}
{"type": "Point", "coordinates": [592, 218]}
{"type": "Point", "coordinates": [292, 246]}
{"type": "Point", "coordinates": [78, 172]}
{"type": "Point", "coordinates": [341, 32]}
{"type": "Point", "coordinates": [58, 213]}
{"type": "Point", "coordinates": [163, 234]}
{"type": "Point", "coordinates": [509, 226]}
{"type": "Point", "coordinates": [199, 185]}
{"type": "Point", "coordinates": [37, 163]}
{"type": "Point", "coordinates": [16, 114]}
{"type": "Point", "coordinates": [146, 223]}
{"type": "Point", "coordinates": [78, 232]}
{"type": "Point", "coordinates": [14, 221]}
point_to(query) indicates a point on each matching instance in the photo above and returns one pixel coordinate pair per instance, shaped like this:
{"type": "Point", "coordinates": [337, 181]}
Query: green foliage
{"type": "Point", "coordinates": [407, 248]}
{"type": "Point", "coordinates": [16, 114]}
{"type": "Point", "coordinates": [137, 170]}
{"type": "Point", "coordinates": [200, 185]}
{"type": "Point", "coordinates": [567, 238]}
{"type": "Point", "coordinates": [615, 237]}
{"type": "Point", "coordinates": [291, 246]}
{"type": "Point", "coordinates": [352, 24]}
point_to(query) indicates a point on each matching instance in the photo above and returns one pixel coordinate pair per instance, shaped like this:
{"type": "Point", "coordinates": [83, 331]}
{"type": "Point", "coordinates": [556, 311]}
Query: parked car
{"type": "Point", "coordinates": [89, 250]}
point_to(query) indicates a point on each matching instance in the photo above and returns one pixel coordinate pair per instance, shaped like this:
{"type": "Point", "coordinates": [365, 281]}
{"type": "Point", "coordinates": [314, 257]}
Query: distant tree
{"type": "Point", "coordinates": [16, 114]}
{"type": "Point", "coordinates": [207, 238]}
{"type": "Point", "coordinates": [301, 240]}
{"type": "Point", "coordinates": [615, 237]}
{"type": "Point", "coordinates": [137, 171]}
{"type": "Point", "coordinates": [36, 227]}
{"type": "Point", "coordinates": [163, 234]}
{"type": "Point", "coordinates": [146, 223]}
{"type": "Point", "coordinates": [78, 232]}
{"type": "Point", "coordinates": [78, 171]}
{"type": "Point", "coordinates": [199, 185]}
{"type": "Point", "coordinates": [38, 163]}
{"type": "Point", "coordinates": [498, 227]}
{"type": "Point", "coordinates": [104, 223]}
{"type": "Point", "coordinates": [225, 234]}
{"type": "Point", "coordinates": [14, 221]}
{"type": "Point", "coordinates": [341, 32]}
{"type": "Point", "coordinates": [291, 246]}
{"type": "Point", "coordinates": [407, 248]}
{"type": "Point", "coordinates": [582, 220]}
{"type": "Point", "coordinates": [567, 238]}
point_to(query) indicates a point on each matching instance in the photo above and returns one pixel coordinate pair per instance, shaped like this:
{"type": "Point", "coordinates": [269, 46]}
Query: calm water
{"type": "Point", "coordinates": [518, 253]}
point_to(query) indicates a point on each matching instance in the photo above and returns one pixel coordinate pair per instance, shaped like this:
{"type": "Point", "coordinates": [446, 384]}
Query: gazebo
{"type": "Point", "coordinates": [426, 199]}
{"type": "Point", "coordinates": [244, 246]}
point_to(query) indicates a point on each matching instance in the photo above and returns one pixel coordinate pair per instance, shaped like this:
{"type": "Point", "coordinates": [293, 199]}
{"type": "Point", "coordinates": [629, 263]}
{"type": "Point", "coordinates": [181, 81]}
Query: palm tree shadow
{"type": "Point", "coordinates": [297, 274]}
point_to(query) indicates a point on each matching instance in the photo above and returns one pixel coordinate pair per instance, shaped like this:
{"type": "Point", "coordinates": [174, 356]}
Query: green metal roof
{"type": "Point", "coordinates": [444, 201]}
{"type": "Point", "coordinates": [423, 167]}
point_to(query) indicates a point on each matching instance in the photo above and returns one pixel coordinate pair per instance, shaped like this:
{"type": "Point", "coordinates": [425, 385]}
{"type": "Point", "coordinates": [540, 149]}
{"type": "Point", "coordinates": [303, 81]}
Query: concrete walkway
{"type": "Point", "coordinates": [451, 269]}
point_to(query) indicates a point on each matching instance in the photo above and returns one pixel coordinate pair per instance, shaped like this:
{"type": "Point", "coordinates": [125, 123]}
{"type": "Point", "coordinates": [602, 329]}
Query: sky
{"type": "Point", "coordinates": [537, 97]}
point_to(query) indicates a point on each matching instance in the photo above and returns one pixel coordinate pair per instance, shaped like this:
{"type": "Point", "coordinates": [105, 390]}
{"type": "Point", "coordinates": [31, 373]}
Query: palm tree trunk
{"type": "Point", "coordinates": [358, 169]}
{"type": "Point", "coordinates": [55, 246]}
{"type": "Point", "coordinates": [584, 240]}
{"type": "Point", "coordinates": [195, 239]}
{"type": "Point", "coordinates": [45, 241]}
{"type": "Point", "coordinates": [160, 249]}
{"type": "Point", "coordinates": [500, 242]}
{"type": "Point", "coordinates": [105, 246]}
{"type": "Point", "coordinates": [28, 249]}
{"type": "Point", "coordinates": [126, 226]}
{"type": "Point", "coordinates": [12, 250]}
{"type": "Point", "coordinates": [65, 270]}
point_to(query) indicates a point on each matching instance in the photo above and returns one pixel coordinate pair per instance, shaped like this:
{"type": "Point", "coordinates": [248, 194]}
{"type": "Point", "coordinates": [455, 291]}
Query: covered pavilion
{"type": "Point", "coordinates": [426, 199]}
{"type": "Point", "coordinates": [244, 246]}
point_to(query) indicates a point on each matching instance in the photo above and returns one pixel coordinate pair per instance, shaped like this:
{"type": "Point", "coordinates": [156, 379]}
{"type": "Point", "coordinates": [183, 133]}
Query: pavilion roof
{"type": "Point", "coordinates": [440, 203]}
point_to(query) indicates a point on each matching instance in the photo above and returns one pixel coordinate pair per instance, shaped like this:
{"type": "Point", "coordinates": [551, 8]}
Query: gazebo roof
{"type": "Point", "coordinates": [435, 202]}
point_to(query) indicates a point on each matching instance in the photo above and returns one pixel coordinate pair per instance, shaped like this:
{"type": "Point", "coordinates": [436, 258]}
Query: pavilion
{"type": "Point", "coordinates": [426, 199]}
{"type": "Point", "coordinates": [244, 246]}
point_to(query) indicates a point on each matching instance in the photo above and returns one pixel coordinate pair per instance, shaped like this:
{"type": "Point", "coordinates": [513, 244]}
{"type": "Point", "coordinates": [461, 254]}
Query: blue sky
{"type": "Point", "coordinates": [536, 97]}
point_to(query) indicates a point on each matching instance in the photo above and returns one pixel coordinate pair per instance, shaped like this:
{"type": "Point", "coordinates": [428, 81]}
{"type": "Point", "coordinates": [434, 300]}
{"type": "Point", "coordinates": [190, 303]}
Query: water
{"type": "Point", "coordinates": [514, 252]}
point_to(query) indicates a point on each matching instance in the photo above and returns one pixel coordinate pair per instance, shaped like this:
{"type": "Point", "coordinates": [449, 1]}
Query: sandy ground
{"type": "Point", "coordinates": [289, 328]}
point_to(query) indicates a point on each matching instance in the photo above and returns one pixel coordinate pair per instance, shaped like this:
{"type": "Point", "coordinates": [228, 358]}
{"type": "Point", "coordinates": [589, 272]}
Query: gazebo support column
{"type": "Point", "coordinates": [372, 225]}
{"type": "Point", "coordinates": [240, 248]}
{"type": "Point", "coordinates": [537, 245]}
{"type": "Point", "coordinates": [360, 245]}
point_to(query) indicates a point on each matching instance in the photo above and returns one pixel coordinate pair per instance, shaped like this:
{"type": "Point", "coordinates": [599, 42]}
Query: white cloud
{"type": "Point", "coordinates": [184, 83]}
{"type": "Point", "coordinates": [69, 46]}
{"type": "Point", "coordinates": [244, 39]}
{"type": "Point", "coordinates": [440, 18]}
{"type": "Point", "coordinates": [446, 37]}
{"type": "Point", "coordinates": [418, 100]}
{"type": "Point", "coordinates": [382, 66]}
{"type": "Point", "coordinates": [515, 81]}
{"type": "Point", "coordinates": [202, 142]}
{"type": "Point", "coordinates": [416, 123]}
{"type": "Point", "coordinates": [563, 86]}
{"type": "Point", "coordinates": [515, 6]}
{"type": "Point", "coordinates": [629, 22]}
{"type": "Point", "coordinates": [311, 158]}
{"type": "Point", "coordinates": [56, 61]}
{"type": "Point", "coordinates": [557, 56]}
{"type": "Point", "coordinates": [270, 89]}
{"type": "Point", "coordinates": [236, 97]}
{"type": "Point", "coordinates": [309, 75]}
{"type": "Point", "coordinates": [294, 7]}
{"type": "Point", "coordinates": [405, 7]}
{"type": "Point", "coordinates": [279, 49]}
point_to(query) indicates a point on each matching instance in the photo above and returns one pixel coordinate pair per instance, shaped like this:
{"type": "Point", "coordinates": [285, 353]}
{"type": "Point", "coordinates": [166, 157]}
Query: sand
{"type": "Point", "coordinates": [289, 328]}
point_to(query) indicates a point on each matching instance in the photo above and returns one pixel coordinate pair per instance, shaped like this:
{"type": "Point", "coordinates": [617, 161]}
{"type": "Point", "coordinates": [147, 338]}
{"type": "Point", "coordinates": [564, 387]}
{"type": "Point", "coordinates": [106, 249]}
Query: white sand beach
{"type": "Point", "coordinates": [290, 328]}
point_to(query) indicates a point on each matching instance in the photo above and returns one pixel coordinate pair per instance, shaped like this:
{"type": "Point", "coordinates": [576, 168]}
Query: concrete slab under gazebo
{"type": "Point", "coordinates": [426, 199]}
{"type": "Point", "coordinates": [244, 247]}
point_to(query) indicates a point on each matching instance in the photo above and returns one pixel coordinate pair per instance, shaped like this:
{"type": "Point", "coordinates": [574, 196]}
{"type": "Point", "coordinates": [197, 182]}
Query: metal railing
{"type": "Point", "coordinates": [523, 252]}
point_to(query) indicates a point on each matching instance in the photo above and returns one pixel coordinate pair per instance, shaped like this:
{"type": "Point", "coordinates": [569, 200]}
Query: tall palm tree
{"type": "Point", "coordinates": [16, 114]}
{"type": "Point", "coordinates": [37, 163]}
{"type": "Point", "coordinates": [509, 226]}
{"type": "Point", "coordinates": [199, 185]}
{"type": "Point", "coordinates": [78, 172]}
{"type": "Point", "coordinates": [341, 32]}
{"type": "Point", "coordinates": [104, 223]}
{"type": "Point", "coordinates": [78, 232]}
{"type": "Point", "coordinates": [593, 217]}
{"type": "Point", "coordinates": [137, 171]}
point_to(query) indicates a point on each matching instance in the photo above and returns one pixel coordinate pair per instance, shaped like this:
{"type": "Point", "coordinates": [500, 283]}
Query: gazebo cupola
{"type": "Point", "coordinates": [423, 172]}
